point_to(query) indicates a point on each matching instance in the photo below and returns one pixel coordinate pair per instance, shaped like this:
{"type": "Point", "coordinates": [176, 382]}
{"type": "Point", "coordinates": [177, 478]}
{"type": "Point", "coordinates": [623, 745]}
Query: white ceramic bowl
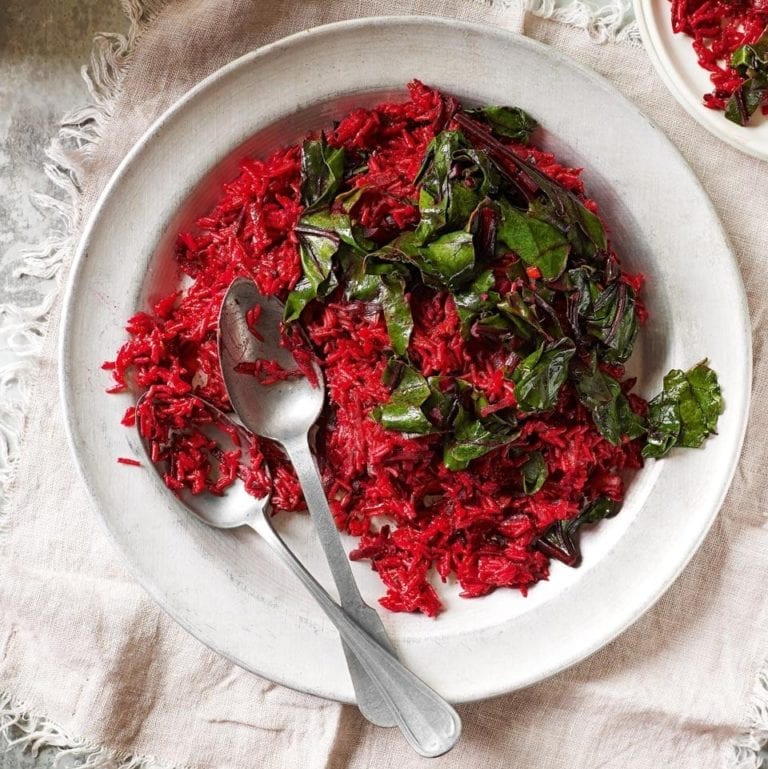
{"type": "Point", "coordinates": [224, 587]}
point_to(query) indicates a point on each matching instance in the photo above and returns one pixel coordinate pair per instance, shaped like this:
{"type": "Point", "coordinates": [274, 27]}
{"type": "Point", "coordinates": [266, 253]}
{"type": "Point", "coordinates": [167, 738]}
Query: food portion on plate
{"type": "Point", "coordinates": [460, 293]}
{"type": "Point", "coordinates": [730, 38]}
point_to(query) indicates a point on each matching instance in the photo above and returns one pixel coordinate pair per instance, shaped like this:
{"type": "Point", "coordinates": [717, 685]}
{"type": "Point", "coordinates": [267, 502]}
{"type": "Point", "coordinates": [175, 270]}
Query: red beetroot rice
{"type": "Point", "coordinates": [392, 492]}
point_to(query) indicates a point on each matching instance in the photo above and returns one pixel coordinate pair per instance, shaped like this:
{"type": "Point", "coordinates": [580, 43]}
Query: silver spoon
{"type": "Point", "coordinates": [285, 412]}
{"type": "Point", "coordinates": [430, 724]}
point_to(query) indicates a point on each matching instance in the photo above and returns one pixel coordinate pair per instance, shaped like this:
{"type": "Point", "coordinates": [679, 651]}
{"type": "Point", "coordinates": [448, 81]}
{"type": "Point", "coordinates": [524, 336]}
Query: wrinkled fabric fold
{"type": "Point", "coordinates": [82, 644]}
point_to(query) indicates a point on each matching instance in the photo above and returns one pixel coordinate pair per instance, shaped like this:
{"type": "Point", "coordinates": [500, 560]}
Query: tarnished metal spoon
{"type": "Point", "coordinates": [285, 412]}
{"type": "Point", "coordinates": [429, 724]}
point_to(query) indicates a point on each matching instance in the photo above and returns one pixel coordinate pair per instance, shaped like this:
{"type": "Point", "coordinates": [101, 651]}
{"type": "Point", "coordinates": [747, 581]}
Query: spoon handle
{"type": "Point", "coordinates": [322, 518]}
{"type": "Point", "coordinates": [370, 702]}
{"type": "Point", "coordinates": [430, 725]}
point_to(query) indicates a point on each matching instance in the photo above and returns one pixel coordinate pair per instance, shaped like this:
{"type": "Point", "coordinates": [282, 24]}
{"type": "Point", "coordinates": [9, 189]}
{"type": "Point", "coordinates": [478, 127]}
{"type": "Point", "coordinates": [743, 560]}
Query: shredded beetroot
{"type": "Point", "coordinates": [413, 517]}
{"type": "Point", "coordinates": [128, 461]}
{"type": "Point", "coordinates": [718, 28]}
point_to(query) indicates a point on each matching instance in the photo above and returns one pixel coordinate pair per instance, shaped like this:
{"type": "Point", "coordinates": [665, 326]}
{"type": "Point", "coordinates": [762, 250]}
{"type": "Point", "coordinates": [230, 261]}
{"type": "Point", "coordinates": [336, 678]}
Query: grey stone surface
{"type": "Point", "coordinates": [17, 758]}
{"type": "Point", "coordinates": [43, 44]}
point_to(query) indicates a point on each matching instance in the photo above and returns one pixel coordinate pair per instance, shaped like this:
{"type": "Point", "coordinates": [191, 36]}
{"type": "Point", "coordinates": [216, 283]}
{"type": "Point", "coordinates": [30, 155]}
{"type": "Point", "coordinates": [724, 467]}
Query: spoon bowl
{"type": "Point", "coordinates": [232, 509]}
{"type": "Point", "coordinates": [229, 511]}
{"type": "Point", "coordinates": [284, 410]}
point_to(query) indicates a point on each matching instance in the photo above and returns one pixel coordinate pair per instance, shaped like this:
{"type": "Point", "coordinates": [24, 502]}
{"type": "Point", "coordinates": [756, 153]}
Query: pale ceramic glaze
{"type": "Point", "coordinates": [675, 61]}
{"type": "Point", "coordinates": [225, 587]}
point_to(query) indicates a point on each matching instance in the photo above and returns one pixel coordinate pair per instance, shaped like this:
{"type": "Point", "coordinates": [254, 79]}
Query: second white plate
{"type": "Point", "coordinates": [675, 61]}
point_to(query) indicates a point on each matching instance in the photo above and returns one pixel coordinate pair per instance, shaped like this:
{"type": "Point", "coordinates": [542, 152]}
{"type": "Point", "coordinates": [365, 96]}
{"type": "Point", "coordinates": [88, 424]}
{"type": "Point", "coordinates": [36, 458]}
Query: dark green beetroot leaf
{"type": "Point", "coordinates": [519, 308]}
{"type": "Point", "coordinates": [607, 314]}
{"type": "Point", "coordinates": [512, 122]}
{"type": "Point", "coordinates": [579, 280]}
{"type": "Point", "coordinates": [303, 293]}
{"type": "Point", "coordinates": [539, 377]}
{"type": "Point", "coordinates": [549, 201]}
{"type": "Point", "coordinates": [397, 311]}
{"type": "Point", "coordinates": [341, 224]}
{"type": "Point", "coordinates": [610, 409]}
{"type": "Point", "coordinates": [484, 311]}
{"type": "Point", "coordinates": [349, 199]}
{"type": "Point", "coordinates": [534, 473]}
{"type": "Point", "coordinates": [744, 102]}
{"type": "Point", "coordinates": [442, 405]}
{"type": "Point", "coordinates": [371, 281]}
{"type": "Point", "coordinates": [403, 413]}
{"type": "Point", "coordinates": [447, 262]}
{"type": "Point", "coordinates": [476, 301]}
{"type": "Point", "coordinates": [322, 170]}
{"type": "Point", "coordinates": [685, 413]}
{"type": "Point", "coordinates": [484, 226]}
{"type": "Point", "coordinates": [450, 259]}
{"type": "Point", "coordinates": [536, 242]}
{"type": "Point", "coordinates": [454, 178]}
{"type": "Point", "coordinates": [317, 248]}
{"type": "Point", "coordinates": [612, 319]}
{"type": "Point", "coordinates": [664, 426]}
{"type": "Point", "coordinates": [321, 234]}
{"type": "Point", "coordinates": [751, 62]}
{"type": "Point", "coordinates": [706, 390]}
{"type": "Point", "coordinates": [561, 541]}
{"type": "Point", "coordinates": [436, 204]}
{"type": "Point", "coordinates": [473, 437]}
{"type": "Point", "coordinates": [581, 227]}
{"type": "Point", "coordinates": [361, 282]}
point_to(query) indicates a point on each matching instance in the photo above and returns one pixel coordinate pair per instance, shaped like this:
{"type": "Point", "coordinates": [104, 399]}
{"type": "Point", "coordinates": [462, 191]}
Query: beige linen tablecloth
{"type": "Point", "coordinates": [84, 649]}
